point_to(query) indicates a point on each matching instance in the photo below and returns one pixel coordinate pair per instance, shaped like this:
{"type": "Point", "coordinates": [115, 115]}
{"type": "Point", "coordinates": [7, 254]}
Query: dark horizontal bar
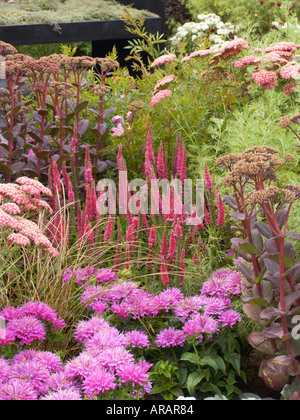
{"type": "Point", "coordinates": [100, 30]}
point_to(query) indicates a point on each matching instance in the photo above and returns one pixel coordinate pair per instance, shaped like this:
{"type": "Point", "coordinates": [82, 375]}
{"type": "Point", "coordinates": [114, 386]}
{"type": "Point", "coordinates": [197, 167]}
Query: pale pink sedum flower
{"type": "Point", "coordinates": [266, 79]}
{"type": "Point", "coordinates": [164, 81]}
{"type": "Point", "coordinates": [163, 59]}
{"type": "Point", "coordinates": [160, 96]}
{"type": "Point", "coordinates": [19, 239]}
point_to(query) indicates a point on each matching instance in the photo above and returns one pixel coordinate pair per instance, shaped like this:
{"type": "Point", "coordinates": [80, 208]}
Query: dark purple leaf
{"type": "Point", "coordinates": [238, 216]}
{"type": "Point", "coordinates": [17, 167]}
{"type": "Point", "coordinates": [281, 217]}
{"type": "Point", "coordinates": [82, 127]}
{"type": "Point", "coordinates": [264, 229]}
{"type": "Point", "coordinates": [270, 313]}
{"type": "Point", "coordinates": [5, 169]}
{"type": "Point", "coordinates": [272, 267]}
{"type": "Point", "coordinates": [108, 112]}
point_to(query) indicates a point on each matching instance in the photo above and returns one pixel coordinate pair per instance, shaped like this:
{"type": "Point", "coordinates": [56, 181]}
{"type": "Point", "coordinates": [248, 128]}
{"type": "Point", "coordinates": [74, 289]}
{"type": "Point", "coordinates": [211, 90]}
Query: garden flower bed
{"type": "Point", "coordinates": [149, 226]}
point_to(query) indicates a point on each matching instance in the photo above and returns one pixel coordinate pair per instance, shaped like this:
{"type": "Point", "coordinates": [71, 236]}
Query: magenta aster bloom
{"type": "Point", "coordinates": [60, 381]}
{"type": "Point", "coordinates": [81, 366]}
{"type": "Point", "coordinates": [49, 360]}
{"type": "Point", "coordinates": [170, 338]}
{"type": "Point", "coordinates": [107, 339]}
{"type": "Point", "coordinates": [106, 275]}
{"type": "Point", "coordinates": [99, 382]}
{"type": "Point", "coordinates": [189, 306]}
{"type": "Point", "coordinates": [133, 374]}
{"type": "Point", "coordinates": [4, 370]}
{"type": "Point", "coordinates": [138, 339]}
{"type": "Point", "coordinates": [11, 313]}
{"type": "Point", "coordinates": [7, 337]}
{"type": "Point", "coordinates": [223, 283]}
{"type": "Point", "coordinates": [24, 356]}
{"type": "Point", "coordinates": [32, 373]}
{"type": "Point", "coordinates": [200, 324]}
{"type": "Point", "coordinates": [18, 390]}
{"type": "Point", "coordinates": [43, 312]}
{"type": "Point", "coordinates": [27, 329]}
{"type": "Point", "coordinates": [63, 395]}
{"type": "Point", "coordinates": [229, 318]}
{"type": "Point", "coordinates": [115, 358]}
{"type": "Point", "coordinates": [85, 330]}
{"type": "Point", "coordinates": [214, 306]}
{"type": "Point", "coordinates": [99, 308]}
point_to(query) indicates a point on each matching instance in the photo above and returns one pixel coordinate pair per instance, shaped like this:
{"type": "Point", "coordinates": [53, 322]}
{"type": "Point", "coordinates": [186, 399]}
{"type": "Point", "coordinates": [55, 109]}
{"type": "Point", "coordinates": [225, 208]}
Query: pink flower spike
{"type": "Point", "coordinates": [208, 181]}
{"type": "Point", "coordinates": [221, 211]}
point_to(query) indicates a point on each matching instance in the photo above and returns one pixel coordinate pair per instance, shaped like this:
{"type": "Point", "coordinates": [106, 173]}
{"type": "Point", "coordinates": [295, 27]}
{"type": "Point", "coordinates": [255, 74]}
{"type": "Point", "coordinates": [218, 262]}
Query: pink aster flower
{"type": "Point", "coordinates": [43, 312]}
{"type": "Point", "coordinates": [27, 329]}
{"type": "Point", "coordinates": [266, 79]}
{"type": "Point", "coordinates": [138, 339]}
{"type": "Point", "coordinates": [163, 59]}
{"type": "Point", "coordinates": [85, 330]}
{"type": "Point", "coordinates": [81, 366]}
{"type": "Point", "coordinates": [115, 358]}
{"type": "Point", "coordinates": [18, 390]}
{"type": "Point", "coordinates": [99, 382]}
{"type": "Point", "coordinates": [4, 370]}
{"type": "Point", "coordinates": [159, 96]}
{"type": "Point", "coordinates": [105, 340]}
{"type": "Point", "coordinates": [229, 318]}
{"type": "Point", "coordinates": [60, 381]}
{"type": "Point", "coordinates": [170, 338]}
{"type": "Point", "coordinates": [32, 373]}
{"type": "Point", "coordinates": [62, 395]}
{"type": "Point", "coordinates": [223, 283]}
{"type": "Point", "coordinates": [132, 374]}
{"type": "Point", "coordinates": [200, 324]}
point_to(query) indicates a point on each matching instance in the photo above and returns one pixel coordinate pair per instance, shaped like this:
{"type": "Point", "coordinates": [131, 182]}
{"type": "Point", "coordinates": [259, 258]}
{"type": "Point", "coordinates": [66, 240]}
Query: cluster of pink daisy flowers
{"type": "Point", "coordinates": [105, 364]}
{"type": "Point", "coordinates": [128, 301]}
{"type": "Point", "coordinates": [28, 324]}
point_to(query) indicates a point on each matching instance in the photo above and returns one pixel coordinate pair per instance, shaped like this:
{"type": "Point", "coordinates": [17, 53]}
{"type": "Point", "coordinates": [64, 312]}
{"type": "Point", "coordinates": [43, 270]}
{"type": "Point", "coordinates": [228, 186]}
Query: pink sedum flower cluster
{"type": "Point", "coordinates": [17, 199]}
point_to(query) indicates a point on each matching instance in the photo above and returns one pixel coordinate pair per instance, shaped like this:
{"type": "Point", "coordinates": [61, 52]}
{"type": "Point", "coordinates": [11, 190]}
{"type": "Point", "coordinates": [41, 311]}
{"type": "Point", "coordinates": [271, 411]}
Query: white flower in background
{"type": "Point", "coordinates": [209, 26]}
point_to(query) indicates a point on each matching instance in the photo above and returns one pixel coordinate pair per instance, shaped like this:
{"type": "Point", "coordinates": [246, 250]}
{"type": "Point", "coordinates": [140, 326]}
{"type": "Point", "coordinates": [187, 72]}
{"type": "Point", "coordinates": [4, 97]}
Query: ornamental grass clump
{"type": "Point", "coordinates": [268, 257]}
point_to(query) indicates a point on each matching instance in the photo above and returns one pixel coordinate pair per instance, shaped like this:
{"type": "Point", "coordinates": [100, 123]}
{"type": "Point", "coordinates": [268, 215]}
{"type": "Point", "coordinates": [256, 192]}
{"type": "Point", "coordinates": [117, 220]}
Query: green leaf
{"type": "Point", "coordinates": [288, 261]}
{"type": "Point", "coordinates": [235, 360]}
{"type": "Point", "coordinates": [249, 248]}
{"type": "Point", "coordinates": [193, 380]}
{"type": "Point", "coordinates": [190, 357]}
{"type": "Point", "coordinates": [208, 361]}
